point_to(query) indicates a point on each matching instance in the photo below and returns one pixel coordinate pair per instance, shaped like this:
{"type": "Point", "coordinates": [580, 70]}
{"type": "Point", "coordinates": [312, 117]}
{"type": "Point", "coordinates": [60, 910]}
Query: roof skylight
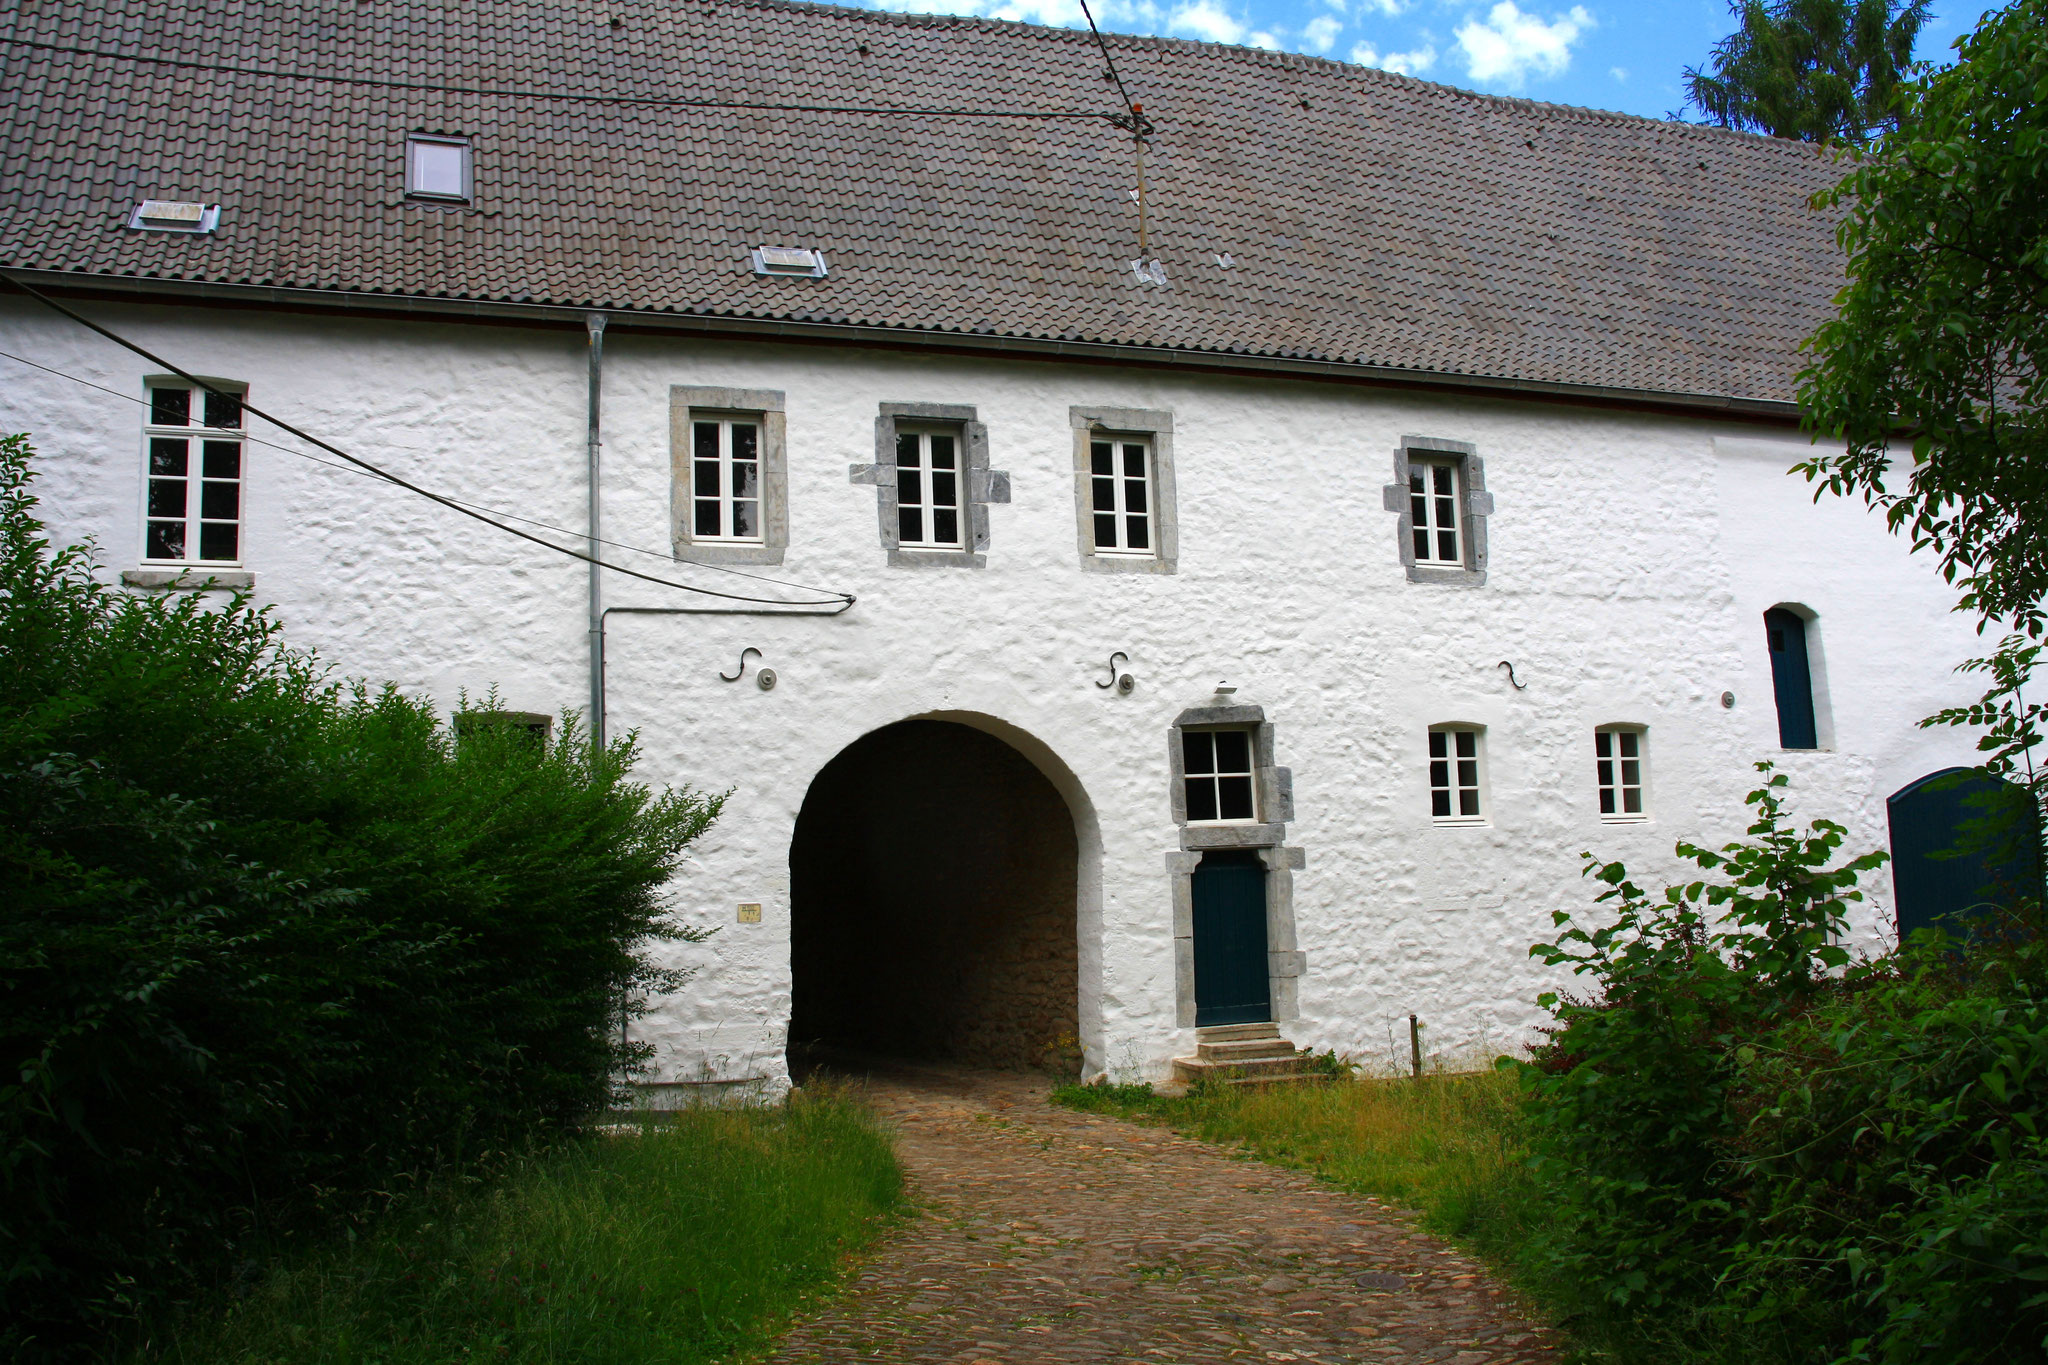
{"type": "Point", "coordinates": [799, 261]}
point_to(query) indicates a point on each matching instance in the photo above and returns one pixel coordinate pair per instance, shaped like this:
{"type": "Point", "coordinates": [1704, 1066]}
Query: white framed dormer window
{"type": "Point", "coordinates": [1217, 768]}
{"type": "Point", "coordinates": [1120, 495]}
{"type": "Point", "coordinates": [1620, 756]}
{"type": "Point", "coordinates": [194, 458]}
{"type": "Point", "coordinates": [725, 478]}
{"type": "Point", "coordinates": [928, 478]}
{"type": "Point", "coordinates": [1436, 529]}
{"type": "Point", "coordinates": [1457, 775]}
{"type": "Point", "coordinates": [438, 167]}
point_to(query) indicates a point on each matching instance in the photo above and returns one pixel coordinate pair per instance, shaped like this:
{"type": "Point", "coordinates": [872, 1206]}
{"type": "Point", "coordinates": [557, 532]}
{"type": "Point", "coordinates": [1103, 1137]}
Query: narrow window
{"type": "Point", "coordinates": [437, 168]}
{"type": "Point", "coordinates": [1618, 765]}
{"type": "Point", "coordinates": [1433, 509]}
{"type": "Point", "coordinates": [1454, 775]}
{"type": "Point", "coordinates": [1791, 678]}
{"type": "Point", "coordinates": [1218, 768]}
{"type": "Point", "coordinates": [194, 502]}
{"type": "Point", "coordinates": [725, 479]}
{"type": "Point", "coordinates": [928, 490]}
{"type": "Point", "coordinates": [1120, 480]}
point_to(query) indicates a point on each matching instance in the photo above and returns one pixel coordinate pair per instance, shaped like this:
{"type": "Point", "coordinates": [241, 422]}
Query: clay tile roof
{"type": "Point", "coordinates": [1372, 219]}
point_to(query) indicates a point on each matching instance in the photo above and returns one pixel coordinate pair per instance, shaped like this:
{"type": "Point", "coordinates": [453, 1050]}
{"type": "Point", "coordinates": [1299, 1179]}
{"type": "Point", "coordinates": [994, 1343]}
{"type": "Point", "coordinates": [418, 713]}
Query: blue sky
{"type": "Point", "coordinates": [1606, 54]}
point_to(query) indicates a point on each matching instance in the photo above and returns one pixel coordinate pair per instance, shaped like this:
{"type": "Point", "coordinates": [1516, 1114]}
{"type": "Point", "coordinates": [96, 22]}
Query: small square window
{"type": "Point", "coordinates": [725, 478]}
{"type": "Point", "coordinates": [1217, 765]}
{"type": "Point", "coordinates": [1433, 512]}
{"type": "Point", "coordinates": [929, 470]}
{"type": "Point", "coordinates": [1120, 490]}
{"type": "Point", "coordinates": [437, 168]}
{"type": "Point", "coordinates": [1455, 776]}
{"type": "Point", "coordinates": [1618, 759]}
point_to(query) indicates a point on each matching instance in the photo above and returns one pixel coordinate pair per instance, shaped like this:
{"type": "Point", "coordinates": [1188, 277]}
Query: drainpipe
{"type": "Point", "coordinates": [594, 323]}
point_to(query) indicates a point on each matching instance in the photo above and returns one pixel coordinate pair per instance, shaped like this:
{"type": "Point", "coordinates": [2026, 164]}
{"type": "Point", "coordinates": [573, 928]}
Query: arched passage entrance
{"type": "Point", "coordinates": [932, 902]}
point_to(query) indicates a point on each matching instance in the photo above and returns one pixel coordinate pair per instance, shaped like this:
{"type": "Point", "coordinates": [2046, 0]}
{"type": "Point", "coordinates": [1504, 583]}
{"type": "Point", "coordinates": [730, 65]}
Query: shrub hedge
{"type": "Point", "coordinates": [271, 945]}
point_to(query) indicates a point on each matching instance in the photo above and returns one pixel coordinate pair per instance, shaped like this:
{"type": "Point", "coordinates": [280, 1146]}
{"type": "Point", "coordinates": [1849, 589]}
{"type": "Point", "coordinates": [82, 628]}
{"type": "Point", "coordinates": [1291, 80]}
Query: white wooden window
{"type": "Point", "coordinates": [725, 478]}
{"type": "Point", "coordinates": [1454, 775]}
{"type": "Point", "coordinates": [437, 168]}
{"type": "Point", "coordinates": [1433, 508]}
{"type": "Point", "coordinates": [1120, 478]}
{"type": "Point", "coordinates": [195, 460]}
{"type": "Point", "coordinates": [928, 489]}
{"type": "Point", "coordinates": [1618, 763]}
{"type": "Point", "coordinates": [1217, 765]}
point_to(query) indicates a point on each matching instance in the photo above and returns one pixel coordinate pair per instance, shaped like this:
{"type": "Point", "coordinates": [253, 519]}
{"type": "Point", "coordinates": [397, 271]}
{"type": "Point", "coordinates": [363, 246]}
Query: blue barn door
{"type": "Point", "coordinates": [1961, 840]}
{"type": "Point", "coordinates": [1791, 678]}
{"type": "Point", "coordinates": [1231, 985]}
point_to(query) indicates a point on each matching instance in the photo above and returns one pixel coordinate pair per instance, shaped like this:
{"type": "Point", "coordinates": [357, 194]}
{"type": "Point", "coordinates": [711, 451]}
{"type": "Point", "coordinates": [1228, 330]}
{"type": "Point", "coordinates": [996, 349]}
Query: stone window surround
{"type": "Point", "coordinates": [1477, 505]}
{"type": "Point", "coordinates": [683, 400]}
{"type": "Point", "coordinates": [979, 485]}
{"type": "Point", "coordinates": [1273, 789]}
{"type": "Point", "coordinates": [1157, 427]}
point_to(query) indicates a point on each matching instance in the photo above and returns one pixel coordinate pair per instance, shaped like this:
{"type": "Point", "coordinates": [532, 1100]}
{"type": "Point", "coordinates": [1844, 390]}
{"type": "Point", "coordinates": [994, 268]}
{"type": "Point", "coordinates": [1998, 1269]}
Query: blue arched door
{"type": "Point", "coordinates": [1961, 840]}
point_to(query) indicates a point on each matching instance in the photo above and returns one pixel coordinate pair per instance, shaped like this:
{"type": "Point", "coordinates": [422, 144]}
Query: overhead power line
{"type": "Point", "coordinates": [845, 600]}
{"type": "Point", "coordinates": [568, 96]}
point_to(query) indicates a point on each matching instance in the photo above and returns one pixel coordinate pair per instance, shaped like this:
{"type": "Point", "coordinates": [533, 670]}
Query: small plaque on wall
{"type": "Point", "coordinates": [750, 912]}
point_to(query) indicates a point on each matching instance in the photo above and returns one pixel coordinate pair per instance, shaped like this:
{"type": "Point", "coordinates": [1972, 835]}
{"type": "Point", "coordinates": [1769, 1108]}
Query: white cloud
{"type": "Point", "coordinates": [1390, 8]}
{"type": "Point", "coordinates": [1620, 73]}
{"type": "Point", "coordinates": [1412, 63]}
{"type": "Point", "coordinates": [1206, 20]}
{"type": "Point", "coordinates": [1510, 45]}
{"type": "Point", "coordinates": [1320, 32]}
{"type": "Point", "coordinates": [1265, 40]}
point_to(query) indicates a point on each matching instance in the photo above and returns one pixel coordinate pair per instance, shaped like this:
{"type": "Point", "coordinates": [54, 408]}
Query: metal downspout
{"type": "Point", "coordinates": [594, 324]}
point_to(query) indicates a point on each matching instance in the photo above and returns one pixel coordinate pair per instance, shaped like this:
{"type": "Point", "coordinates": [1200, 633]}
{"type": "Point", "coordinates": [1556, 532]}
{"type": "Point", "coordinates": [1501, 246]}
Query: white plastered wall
{"type": "Point", "coordinates": [1631, 560]}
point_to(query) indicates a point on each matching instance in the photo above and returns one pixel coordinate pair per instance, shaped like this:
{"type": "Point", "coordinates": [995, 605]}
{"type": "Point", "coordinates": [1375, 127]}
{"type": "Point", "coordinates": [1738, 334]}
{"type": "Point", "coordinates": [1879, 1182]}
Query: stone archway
{"type": "Point", "coordinates": [932, 898]}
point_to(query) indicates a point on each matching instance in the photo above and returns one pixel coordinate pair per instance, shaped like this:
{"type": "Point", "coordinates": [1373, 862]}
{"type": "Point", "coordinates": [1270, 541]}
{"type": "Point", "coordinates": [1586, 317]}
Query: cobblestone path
{"type": "Point", "coordinates": [1047, 1235]}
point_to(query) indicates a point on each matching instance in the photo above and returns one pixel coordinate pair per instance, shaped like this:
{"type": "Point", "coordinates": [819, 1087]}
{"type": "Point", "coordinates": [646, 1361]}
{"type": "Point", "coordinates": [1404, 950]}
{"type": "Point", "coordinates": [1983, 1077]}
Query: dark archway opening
{"type": "Point", "coordinates": [932, 896]}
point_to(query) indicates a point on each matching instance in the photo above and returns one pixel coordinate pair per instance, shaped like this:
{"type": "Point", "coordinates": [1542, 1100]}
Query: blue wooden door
{"type": "Point", "coordinates": [1791, 678]}
{"type": "Point", "coordinates": [1230, 940]}
{"type": "Point", "coordinates": [1961, 840]}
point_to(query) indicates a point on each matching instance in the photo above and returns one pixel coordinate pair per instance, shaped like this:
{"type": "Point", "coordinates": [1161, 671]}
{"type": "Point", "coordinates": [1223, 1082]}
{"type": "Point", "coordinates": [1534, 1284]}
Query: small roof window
{"type": "Point", "coordinates": [437, 167]}
{"type": "Point", "coordinates": [799, 261]}
{"type": "Point", "coordinates": [174, 215]}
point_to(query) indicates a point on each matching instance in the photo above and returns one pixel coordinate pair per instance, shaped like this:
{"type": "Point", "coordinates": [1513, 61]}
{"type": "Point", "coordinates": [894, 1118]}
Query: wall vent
{"type": "Point", "coordinates": [799, 261]}
{"type": "Point", "coordinates": [174, 215]}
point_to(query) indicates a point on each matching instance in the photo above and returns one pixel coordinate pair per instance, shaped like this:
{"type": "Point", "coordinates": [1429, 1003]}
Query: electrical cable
{"type": "Point", "coordinates": [846, 598]}
{"type": "Point", "coordinates": [247, 439]}
{"type": "Point", "coordinates": [1138, 125]}
{"type": "Point", "coordinates": [650, 101]}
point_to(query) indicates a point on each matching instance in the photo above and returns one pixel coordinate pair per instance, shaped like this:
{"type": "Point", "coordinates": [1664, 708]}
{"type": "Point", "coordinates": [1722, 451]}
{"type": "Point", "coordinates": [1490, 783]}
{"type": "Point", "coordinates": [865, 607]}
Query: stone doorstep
{"type": "Point", "coordinates": [1240, 1054]}
{"type": "Point", "coordinates": [1247, 1050]}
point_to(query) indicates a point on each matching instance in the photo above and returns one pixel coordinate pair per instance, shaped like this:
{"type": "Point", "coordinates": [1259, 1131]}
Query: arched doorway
{"type": "Point", "coordinates": [932, 903]}
{"type": "Point", "coordinates": [1962, 842]}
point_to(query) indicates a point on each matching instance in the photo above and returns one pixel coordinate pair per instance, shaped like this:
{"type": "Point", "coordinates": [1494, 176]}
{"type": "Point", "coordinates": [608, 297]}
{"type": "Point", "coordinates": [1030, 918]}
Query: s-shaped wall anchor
{"type": "Point", "coordinates": [1112, 669]}
{"type": "Point", "coordinates": [1519, 686]}
{"type": "Point", "coordinates": [742, 670]}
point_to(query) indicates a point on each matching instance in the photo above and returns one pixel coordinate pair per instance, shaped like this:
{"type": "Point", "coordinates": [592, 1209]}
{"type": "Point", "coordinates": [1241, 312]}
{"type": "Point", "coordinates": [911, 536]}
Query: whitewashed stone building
{"type": "Point", "coordinates": [1401, 519]}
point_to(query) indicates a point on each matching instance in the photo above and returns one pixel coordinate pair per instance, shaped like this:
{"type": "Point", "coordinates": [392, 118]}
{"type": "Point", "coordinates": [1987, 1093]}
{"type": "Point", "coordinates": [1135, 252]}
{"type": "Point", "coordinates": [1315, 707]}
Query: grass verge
{"type": "Point", "coordinates": [681, 1242]}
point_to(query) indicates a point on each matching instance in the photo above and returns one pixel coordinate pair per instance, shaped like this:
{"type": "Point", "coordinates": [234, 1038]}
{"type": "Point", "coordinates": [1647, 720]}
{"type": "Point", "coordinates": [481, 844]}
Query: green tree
{"type": "Point", "coordinates": [1817, 70]}
{"type": "Point", "coordinates": [1936, 348]}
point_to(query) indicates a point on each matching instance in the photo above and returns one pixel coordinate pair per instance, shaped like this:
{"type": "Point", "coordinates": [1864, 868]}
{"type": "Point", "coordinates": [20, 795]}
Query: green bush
{"type": "Point", "coordinates": [271, 944]}
{"type": "Point", "coordinates": [1756, 1155]}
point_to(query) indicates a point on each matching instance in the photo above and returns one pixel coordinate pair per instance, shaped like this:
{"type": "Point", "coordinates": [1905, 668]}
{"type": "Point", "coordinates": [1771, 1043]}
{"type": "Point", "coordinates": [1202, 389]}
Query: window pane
{"type": "Point", "coordinates": [223, 459]}
{"type": "Point", "coordinates": [1201, 798]}
{"type": "Point", "coordinates": [437, 169]}
{"type": "Point", "coordinates": [743, 440]}
{"type": "Point", "coordinates": [910, 525]}
{"type": "Point", "coordinates": [707, 479]}
{"type": "Point", "coordinates": [1134, 496]}
{"type": "Point", "coordinates": [746, 479]}
{"type": "Point", "coordinates": [1441, 474]}
{"type": "Point", "coordinates": [1105, 531]}
{"type": "Point", "coordinates": [1235, 797]}
{"type": "Point", "coordinates": [167, 497]}
{"type": "Point", "coordinates": [946, 526]}
{"type": "Point", "coordinates": [907, 448]}
{"type": "Point", "coordinates": [945, 490]}
{"type": "Point", "coordinates": [1446, 513]}
{"type": "Point", "coordinates": [1134, 462]}
{"type": "Point", "coordinates": [170, 407]}
{"type": "Point", "coordinates": [1603, 743]}
{"type": "Point", "coordinates": [1468, 802]}
{"type": "Point", "coordinates": [1631, 772]}
{"type": "Point", "coordinates": [217, 539]}
{"type": "Point", "coordinates": [1233, 751]}
{"type": "Point", "coordinates": [942, 452]}
{"type": "Point", "coordinates": [220, 501]}
{"type": "Point", "coordinates": [1629, 740]}
{"type": "Point", "coordinates": [1447, 545]}
{"type": "Point", "coordinates": [705, 440]}
{"type": "Point", "coordinates": [1440, 772]}
{"type": "Point", "coordinates": [166, 540]}
{"type": "Point", "coordinates": [1104, 494]}
{"type": "Point", "coordinates": [1100, 459]}
{"type": "Point", "coordinates": [1136, 535]}
{"type": "Point", "coordinates": [1422, 545]}
{"type": "Point", "coordinates": [1415, 483]}
{"type": "Point", "coordinates": [1607, 800]}
{"type": "Point", "coordinates": [223, 410]}
{"type": "Point", "coordinates": [1468, 772]}
{"type": "Point", "coordinates": [1439, 802]}
{"type": "Point", "coordinates": [909, 485]}
{"type": "Point", "coordinates": [167, 456]}
{"type": "Point", "coordinates": [706, 523]}
{"type": "Point", "coordinates": [1606, 767]}
{"type": "Point", "coordinates": [746, 519]}
{"type": "Point", "coordinates": [1468, 744]}
{"type": "Point", "coordinates": [1438, 742]}
{"type": "Point", "coordinates": [1632, 801]}
{"type": "Point", "coordinates": [1196, 752]}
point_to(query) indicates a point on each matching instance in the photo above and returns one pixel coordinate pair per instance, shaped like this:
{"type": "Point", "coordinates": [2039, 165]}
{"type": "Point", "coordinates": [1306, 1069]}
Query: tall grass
{"type": "Point", "coordinates": [1448, 1146]}
{"type": "Point", "coordinates": [675, 1243]}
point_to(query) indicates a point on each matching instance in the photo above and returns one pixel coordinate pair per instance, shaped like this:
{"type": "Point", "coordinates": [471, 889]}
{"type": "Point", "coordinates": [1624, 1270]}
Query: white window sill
{"type": "Point", "coordinates": [1124, 554]}
{"type": "Point", "coordinates": [221, 578]}
{"type": "Point", "coordinates": [1624, 819]}
{"type": "Point", "coordinates": [1459, 821]}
